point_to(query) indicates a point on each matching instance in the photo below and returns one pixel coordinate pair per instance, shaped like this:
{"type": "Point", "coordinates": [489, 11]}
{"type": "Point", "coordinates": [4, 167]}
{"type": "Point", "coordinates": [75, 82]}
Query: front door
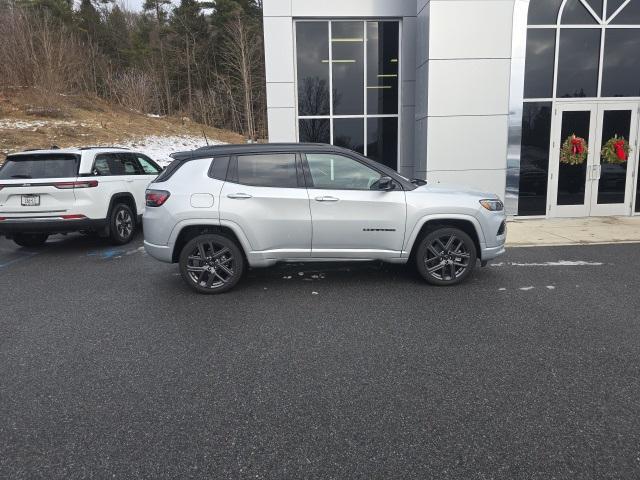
{"type": "Point", "coordinates": [585, 178]}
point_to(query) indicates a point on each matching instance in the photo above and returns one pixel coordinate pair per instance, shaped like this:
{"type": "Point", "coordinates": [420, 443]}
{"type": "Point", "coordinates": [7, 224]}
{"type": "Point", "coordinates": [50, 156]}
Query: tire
{"type": "Point", "coordinates": [219, 272]}
{"type": "Point", "coordinates": [446, 256]}
{"type": "Point", "coordinates": [122, 224]}
{"type": "Point", "coordinates": [30, 239]}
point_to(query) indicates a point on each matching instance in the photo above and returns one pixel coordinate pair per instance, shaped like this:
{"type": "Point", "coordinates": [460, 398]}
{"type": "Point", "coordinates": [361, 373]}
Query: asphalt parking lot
{"type": "Point", "coordinates": [110, 367]}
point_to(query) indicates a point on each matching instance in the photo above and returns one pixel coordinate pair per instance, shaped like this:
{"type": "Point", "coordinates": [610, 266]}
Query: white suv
{"type": "Point", "coordinates": [92, 189]}
{"type": "Point", "coordinates": [217, 209]}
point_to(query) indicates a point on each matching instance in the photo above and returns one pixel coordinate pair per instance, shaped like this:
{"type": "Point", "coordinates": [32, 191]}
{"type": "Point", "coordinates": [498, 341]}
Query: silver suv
{"type": "Point", "coordinates": [217, 210]}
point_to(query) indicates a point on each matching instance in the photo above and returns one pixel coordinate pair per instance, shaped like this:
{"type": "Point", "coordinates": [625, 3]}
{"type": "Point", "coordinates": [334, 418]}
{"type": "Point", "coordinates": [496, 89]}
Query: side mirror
{"type": "Point", "coordinates": [386, 184]}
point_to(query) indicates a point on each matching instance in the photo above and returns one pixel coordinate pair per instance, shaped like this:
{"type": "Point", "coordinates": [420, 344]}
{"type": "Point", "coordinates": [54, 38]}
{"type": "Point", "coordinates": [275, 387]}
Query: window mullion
{"type": "Point", "coordinates": [365, 146]}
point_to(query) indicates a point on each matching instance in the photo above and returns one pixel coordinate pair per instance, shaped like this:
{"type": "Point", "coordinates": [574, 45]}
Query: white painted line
{"type": "Point", "coordinates": [559, 263]}
{"type": "Point", "coordinates": [527, 288]}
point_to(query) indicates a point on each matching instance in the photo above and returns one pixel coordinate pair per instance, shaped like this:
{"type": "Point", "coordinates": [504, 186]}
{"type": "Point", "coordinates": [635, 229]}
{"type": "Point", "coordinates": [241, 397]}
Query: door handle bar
{"type": "Point", "coordinates": [239, 196]}
{"type": "Point", "coordinates": [327, 199]}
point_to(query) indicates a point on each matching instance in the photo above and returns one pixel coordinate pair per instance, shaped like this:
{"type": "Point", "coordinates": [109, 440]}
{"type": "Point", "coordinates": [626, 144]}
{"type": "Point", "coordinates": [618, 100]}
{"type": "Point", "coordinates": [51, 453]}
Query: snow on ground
{"type": "Point", "coordinates": [160, 147]}
{"type": "Point", "coordinates": [8, 124]}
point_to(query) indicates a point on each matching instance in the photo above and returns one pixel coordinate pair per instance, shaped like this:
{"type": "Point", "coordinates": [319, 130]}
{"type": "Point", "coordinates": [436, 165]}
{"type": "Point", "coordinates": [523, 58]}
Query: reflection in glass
{"type": "Point", "coordinates": [316, 130]}
{"type": "Point", "coordinates": [312, 45]}
{"type": "Point", "coordinates": [382, 67]}
{"type": "Point", "coordinates": [596, 5]}
{"type": "Point", "coordinates": [613, 176]}
{"type": "Point", "coordinates": [349, 133]}
{"type": "Point", "coordinates": [621, 68]}
{"type": "Point", "coordinates": [575, 13]}
{"type": "Point", "coordinates": [382, 141]}
{"type": "Point", "coordinates": [538, 77]}
{"type": "Point", "coordinates": [544, 12]}
{"type": "Point", "coordinates": [630, 15]}
{"type": "Point", "coordinates": [612, 6]}
{"type": "Point", "coordinates": [347, 48]}
{"type": "Point", "coordinates": [578, 63]}
{"type": "Point", "coordinates": [534, 158]}
{"type": "Point", "coordinates": [572, 178]}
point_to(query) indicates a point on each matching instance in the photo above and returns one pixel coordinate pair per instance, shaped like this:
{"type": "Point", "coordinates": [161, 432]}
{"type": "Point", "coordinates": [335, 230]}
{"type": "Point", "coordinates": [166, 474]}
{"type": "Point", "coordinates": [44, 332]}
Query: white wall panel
{"type": "Point", "coordinates": [281, 95]}
{"type": "Point", "coordinates": [470, 29]}
{"type": "Point", "coordinates": [408, 45]}
{"type": "Point", "coordinates": [282, 124]}
{"type": "Point", "coordinates": [467, 143]}
{"type": "Point", "coordinates": [276, 8]}
{"type": "Point", "coordinates": [489, 181]}
{"type": "Point", "coordinates": [353, 8]}
{"type": "Point", "coordinates": [279, 52]}
{"type": "Point", "coordinates": [469, 87]}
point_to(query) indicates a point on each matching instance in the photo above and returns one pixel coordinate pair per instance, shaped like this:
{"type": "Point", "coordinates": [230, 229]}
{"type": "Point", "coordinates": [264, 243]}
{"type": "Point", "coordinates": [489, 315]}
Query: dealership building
{"type": "Point", "coordinates": [536, 100]}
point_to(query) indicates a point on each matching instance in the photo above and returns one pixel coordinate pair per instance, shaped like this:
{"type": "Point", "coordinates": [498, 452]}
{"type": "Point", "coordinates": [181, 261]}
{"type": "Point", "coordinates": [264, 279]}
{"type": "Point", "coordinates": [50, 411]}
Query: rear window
{"type": "Point", "coordinates": [39, 166]}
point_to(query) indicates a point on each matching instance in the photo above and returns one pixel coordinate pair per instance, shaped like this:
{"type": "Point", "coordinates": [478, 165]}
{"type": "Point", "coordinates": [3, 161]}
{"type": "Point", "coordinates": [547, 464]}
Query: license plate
{"type": "Point", "coordinates": [30, 200]}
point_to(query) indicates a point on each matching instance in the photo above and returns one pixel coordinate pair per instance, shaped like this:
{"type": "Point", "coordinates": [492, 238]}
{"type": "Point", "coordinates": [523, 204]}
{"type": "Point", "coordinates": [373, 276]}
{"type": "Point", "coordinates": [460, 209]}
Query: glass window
{"type": "Point", "coordinates": [116, 164]}
{"type": "Point", "coordinates": [349, 133]}
{"type": "Point", "coordinates": [312, 44]}
{"type": "Point", "coordinates": [630, 15]}
{"type": "Point", "coordinates": [612, 6]}
{"type": "Point", "coordinates": [268, 170]}
{"type": "Point", "coordinates": [613, 176]}
{"type": "Point", "coordinates": [219, 168]}
{"type": "Point", "coordinates": [578, 63]}
{"type": "Point", "coordinates": [382, 140]}
{"type": "Point", "coordinates": [39, 166]}
{"type": "Point", "coordinates": [130, 164]}
{"type": "Point", "coordinates": [621, 67]}
{"type": "Point", "coordinates": [575, 13]}
{"type": "Point", "coordinates": [336, 172]}
{"type": "Point", "coordinates": [534, 158]}
{"type": "Point", "coordinates": [315, 130]}
{"type": "Point", "coordinates": [541, 50]}
{"type": "Point", "coordinates": [382, 67]}
{"type": "Point", "coordinates": [148, 166]}
{"type": "Point", "coordinates": [544, 12]}
{"type": "Point", "coordinates": [347, 48]}
{"type": "Point", "coordinates": [572, 178]}
{"type": "Point", "coordinates": [596, 6]}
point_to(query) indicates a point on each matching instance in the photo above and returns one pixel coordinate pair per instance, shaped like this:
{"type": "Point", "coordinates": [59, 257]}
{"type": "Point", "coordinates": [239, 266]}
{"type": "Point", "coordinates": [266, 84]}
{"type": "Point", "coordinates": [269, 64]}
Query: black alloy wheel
{"type": "Point", "coordinates": [446, 256]}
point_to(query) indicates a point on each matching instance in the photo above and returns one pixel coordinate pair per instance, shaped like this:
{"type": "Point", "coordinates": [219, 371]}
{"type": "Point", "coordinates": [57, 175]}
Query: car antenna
{"type": "Point", "coordinates": [205, 137]}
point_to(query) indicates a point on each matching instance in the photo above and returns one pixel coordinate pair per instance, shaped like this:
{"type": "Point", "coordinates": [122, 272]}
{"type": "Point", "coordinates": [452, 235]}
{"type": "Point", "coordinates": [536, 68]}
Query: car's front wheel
{"type": "Point", "coordinates": [211, 263]}
{"type": "Point", "coordinates": [30, 239]}
{"type": "Point", "coordinates": [446, 256]}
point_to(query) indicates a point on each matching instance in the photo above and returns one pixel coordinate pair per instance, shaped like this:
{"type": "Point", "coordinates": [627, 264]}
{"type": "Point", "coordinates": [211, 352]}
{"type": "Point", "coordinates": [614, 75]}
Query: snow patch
{"type": "Point", "coordinates": [160, 147]}
{"type": "Point", "coordinates": [8, 124]}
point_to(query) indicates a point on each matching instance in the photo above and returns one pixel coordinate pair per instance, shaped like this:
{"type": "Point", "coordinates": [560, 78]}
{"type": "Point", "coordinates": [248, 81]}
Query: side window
{"type": "Point", "coordinates": [148, 166]}
{"type": "Point", "coordinates": [218, 169]}
{"type": "Point", "coordinates": [101, 165]}
{"type": "Point", "coordinates": [268, 170]}
{"type": "Point", "coordinates": [130, 164]}
{"type": "Point", "coordinates": [335, 172]}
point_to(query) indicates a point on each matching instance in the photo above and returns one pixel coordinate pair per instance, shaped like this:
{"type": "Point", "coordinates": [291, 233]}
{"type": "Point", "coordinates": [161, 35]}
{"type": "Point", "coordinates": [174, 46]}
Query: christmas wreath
{"type": "Point", "coordinates": [616, 150]}
{"type": "Point", "coordinates": [574, 150]}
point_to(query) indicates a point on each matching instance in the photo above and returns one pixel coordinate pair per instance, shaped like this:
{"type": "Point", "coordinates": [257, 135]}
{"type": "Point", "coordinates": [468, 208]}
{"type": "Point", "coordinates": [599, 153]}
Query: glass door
{"type": "Point", "coordinates": [571, 160]}
{"type": "Point", "coordinates": [615, 153]}
{"type": "Point", "coordinates": [593, 156]}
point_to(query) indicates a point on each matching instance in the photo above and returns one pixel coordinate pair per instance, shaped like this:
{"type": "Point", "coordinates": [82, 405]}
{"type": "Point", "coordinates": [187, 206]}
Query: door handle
{"type": "Point", "coordinates": [129, 180]}
{"type": "Point", "coordinates": [239, 196]}
{"type": "Point", "coordinates": [327, 199]}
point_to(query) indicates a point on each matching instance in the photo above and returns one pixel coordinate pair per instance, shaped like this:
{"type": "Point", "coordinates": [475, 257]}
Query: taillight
{"type": "Point", "coordinates": [79, 184]}
{"type": "Point", "coordinates": [73, 217]}
{"type": "Point", "coordinates": [156, 198]}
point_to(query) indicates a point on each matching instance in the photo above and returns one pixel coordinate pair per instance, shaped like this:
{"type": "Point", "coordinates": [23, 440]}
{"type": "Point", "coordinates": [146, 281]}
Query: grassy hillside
{"type": "Point", "coordinates": [32, 118]}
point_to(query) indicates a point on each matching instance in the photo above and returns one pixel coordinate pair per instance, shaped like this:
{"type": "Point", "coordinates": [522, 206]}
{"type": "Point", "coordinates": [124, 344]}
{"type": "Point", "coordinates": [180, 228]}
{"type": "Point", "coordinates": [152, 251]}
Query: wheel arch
{"type": "Point", "coordinates": [122, 197]}
{"type": "Point", "coordinates": [467, 224]}
{"type": "Point", "coordinates": [188, 232]}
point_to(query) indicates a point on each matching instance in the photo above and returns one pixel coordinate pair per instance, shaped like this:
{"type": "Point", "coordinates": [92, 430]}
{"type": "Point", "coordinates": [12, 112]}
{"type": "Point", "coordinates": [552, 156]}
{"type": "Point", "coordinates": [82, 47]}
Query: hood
{"type": "Point", "coordinates": [456, 190]}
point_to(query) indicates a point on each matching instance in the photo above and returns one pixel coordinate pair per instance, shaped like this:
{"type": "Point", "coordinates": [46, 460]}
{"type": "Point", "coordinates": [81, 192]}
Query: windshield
{"type": "Point", "coordinates": [57, 165]}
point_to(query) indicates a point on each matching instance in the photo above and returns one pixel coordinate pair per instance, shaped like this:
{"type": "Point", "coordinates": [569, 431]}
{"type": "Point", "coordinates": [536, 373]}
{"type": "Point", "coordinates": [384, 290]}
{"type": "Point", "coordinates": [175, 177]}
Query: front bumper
{"type": "Point", "coordinates": [11, 226]}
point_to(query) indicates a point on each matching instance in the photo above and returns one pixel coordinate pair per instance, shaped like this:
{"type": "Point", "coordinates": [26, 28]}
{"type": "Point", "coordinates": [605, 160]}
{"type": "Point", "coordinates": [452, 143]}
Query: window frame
{"type": "Point", "coordinates": [151, 162]}
{"type": "Point", "coordinates": [232, 169]}
{"type": "Point", "coordinates": [365, 116]}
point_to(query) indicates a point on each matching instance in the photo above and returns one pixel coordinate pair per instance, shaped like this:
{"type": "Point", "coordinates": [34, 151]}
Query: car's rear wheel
{"type": "Point", "coordinates": [30, 239]}
{"type": "Point", "coordinates": [211, 263]}
{"type": "Point", "coordinates": [122, 224]}
{"type": "Point", "coordinates": [446, 256]}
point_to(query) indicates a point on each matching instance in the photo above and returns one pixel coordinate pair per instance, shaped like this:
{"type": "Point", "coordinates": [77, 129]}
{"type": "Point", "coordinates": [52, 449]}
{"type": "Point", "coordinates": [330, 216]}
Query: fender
{"type": "Point", "coordinates": [214, 222]}
{"type": "Point", "coordinates": [442, 216]}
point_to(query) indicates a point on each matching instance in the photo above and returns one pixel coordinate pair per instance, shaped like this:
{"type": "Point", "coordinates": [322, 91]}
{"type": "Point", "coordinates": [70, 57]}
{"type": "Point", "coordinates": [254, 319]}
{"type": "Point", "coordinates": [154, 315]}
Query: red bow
{"type": "Point", "coordinates": [619, 146]}
{"type": "Point", "coordinates": [576, 146]}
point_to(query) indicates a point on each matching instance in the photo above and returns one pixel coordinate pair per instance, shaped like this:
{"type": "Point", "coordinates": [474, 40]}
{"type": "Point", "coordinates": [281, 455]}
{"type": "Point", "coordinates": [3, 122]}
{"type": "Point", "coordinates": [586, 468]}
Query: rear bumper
{"type": "Point", "coordinates": [10, 227]}
{"type": "Point", "coordinates": [164, 253]}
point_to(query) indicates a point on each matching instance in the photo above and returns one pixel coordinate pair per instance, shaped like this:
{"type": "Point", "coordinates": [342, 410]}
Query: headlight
{"type": "Point", "coordinates": [492, 205]}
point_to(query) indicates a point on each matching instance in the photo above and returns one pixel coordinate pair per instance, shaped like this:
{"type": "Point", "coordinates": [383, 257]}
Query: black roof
{"type": "Point", "coordinates": [231, 149]}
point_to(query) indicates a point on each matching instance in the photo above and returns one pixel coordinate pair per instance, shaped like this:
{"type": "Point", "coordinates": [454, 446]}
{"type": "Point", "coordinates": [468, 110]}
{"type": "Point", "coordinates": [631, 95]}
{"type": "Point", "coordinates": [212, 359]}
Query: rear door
{"type": "Point", "coordinates": [38, 185]}
{"type": "Point", "coordinates": [265, 195]}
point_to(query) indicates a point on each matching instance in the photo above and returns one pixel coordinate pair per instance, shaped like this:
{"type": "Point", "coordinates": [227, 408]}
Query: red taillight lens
{"type": "Point", "coordinates": [80, 184]}
{"type": "Point", "coordinates": [156, 198]}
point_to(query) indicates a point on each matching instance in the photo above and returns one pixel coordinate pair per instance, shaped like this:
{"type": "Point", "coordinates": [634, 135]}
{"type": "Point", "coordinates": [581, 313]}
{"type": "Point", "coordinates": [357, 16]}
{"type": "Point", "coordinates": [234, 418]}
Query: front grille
{"type": "Point", "coordinates": [503, 227]}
